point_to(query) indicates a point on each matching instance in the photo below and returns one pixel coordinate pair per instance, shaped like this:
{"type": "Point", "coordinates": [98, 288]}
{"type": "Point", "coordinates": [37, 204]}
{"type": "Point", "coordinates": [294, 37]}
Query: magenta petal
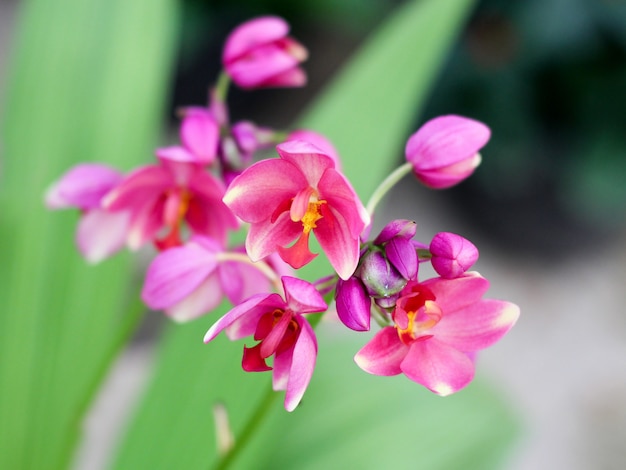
{"type": "Point", "coordinates": [339, 244]}
{"type": "Point", "coordinates": [264, 238]}
{"type": "Point", "coordinates": [199, 133]}
{"type": "Point", "coordinates": [353, 304]}
{"type": "Point", "coordinates": [175, 273]}
{"type": "Point", "coordinates": [255, 194]}
{"type": "Point", "coordinates": [402, 255]}
{"type": "Point", "coordinates": [383, 354]}
{"type": "Point", "coordinates": [302, 296]}
{"type": "Point", "coordinates": [396, 228]}
{"type": "Point", "coordinates": [254, 306]}
{"type": "Point", "coordinates": [101, 233]}
{"type": "Point", "coordinates": [340, 195]}
{"type": "Point", "coordinates": [206, 297]}
{"type": "Point", "coordinates": [307, 158]}
{"type": "Point", "coordinates": [437, 366]}
{"type": "Point", "coordinates": [176, 154]}
{"type": "Point", "coordinates": [454, 294]}
{"type": "Point", "coordinates": [246, 325]}
{"type": "Point", "coordinates": [478, 325]}
{"type": "Point", "coordinates": [82, 186]}
{"type": "Point", "coordinates": [252, 34]}
{"type": "Point", "coordinates": [302, 365]}
{"type": "Point", "coordinates": [446, 140]}
{"type": "Point", "coordinates": [138, 189]}
{"type": "Point", "coordinates": [319, 141]}
{"type": "Point", "coordinates": [282, 367]}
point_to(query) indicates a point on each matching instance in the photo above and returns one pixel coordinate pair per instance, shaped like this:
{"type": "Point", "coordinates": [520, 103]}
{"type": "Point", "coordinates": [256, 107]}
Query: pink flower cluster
{"type": "Point", "coordinates": [187, 202]}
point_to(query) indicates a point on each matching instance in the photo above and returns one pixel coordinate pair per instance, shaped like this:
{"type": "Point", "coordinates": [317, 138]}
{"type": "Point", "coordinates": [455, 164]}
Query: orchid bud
{"type": "Point", "coordinates": [452, 254]}
{"type": "Point", "coordinates": [396, 228]}
{"type": "Point", "coordinates": [353, 304]}
{"type": "Point", "coordinates": [380, 278]}
{"type": "Point", "coordinates": [444, 151]}
{"type": "Point", "coordinates": [402, 255]}
{"type": "Point", "coordinates": [259, 54]}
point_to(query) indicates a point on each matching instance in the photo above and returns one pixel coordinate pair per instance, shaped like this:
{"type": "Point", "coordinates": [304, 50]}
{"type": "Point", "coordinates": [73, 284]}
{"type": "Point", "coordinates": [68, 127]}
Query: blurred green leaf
{"type": "Point", "coordinates": [87, 82]}
{"type": "Point", "coordinates": [348, 419]}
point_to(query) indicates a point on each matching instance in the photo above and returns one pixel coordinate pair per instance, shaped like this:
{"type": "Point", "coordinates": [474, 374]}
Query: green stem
{"type": "Point", "coordinates": [384, 187]}
{"type": "Point", "coordinates": [248, 431]}
{"type": "Point", "coordinates": [221, 87]}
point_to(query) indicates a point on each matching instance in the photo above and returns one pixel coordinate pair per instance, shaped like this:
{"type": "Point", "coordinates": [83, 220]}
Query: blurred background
{"type": "Point", "coordinates": [547, 207]}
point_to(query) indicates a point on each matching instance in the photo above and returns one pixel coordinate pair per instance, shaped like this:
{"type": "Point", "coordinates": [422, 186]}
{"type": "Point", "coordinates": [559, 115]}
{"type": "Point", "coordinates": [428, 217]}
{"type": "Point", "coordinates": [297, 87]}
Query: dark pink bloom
{"type": "Point", "coordinates": [259, 54]}
{"type": "Point", "coordinates": [444, 151]}
{"type": "Point", "coordinates": [161, 197]}
{"type": "Point", "coordinates": [100, 233]}
{"type": "Point", "coordinates": [439, 326]}
{"type": "Point", "coordinates": [190, 280]}
{"type": "Point", "coordinates": [282, 332]}
{"type": "Point", "coordinates": [286, 199]}
{"type": "Point", "coordinates": [452, 254]}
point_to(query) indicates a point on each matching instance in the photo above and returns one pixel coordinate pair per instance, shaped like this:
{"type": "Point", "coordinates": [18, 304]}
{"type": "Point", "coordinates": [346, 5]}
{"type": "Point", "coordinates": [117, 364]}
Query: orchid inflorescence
{"type": "Point", "coordinates": [188, 202]}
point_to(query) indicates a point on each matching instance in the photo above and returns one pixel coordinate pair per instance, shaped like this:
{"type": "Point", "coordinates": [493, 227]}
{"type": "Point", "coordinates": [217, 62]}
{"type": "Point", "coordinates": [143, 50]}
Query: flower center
{"type": "Point", "coordinates": [174, 211]}
{"type": "Point", "coordinates": [416, 313]}
{"type": "Point", "coordinates": [311, 216]}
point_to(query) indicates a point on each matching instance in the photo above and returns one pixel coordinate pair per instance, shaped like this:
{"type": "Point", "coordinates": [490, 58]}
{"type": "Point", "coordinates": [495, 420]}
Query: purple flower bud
{"type": "Point", "coordinates": [402, 255]}
{"type": "Point", "coordinates": [379, 277]}
{"type": "Point", "coordinates": [396, 228]}
{"type": "Point", "coordinates": [353, 304]}
{"type": "Point", "coordinates": [452, 254]}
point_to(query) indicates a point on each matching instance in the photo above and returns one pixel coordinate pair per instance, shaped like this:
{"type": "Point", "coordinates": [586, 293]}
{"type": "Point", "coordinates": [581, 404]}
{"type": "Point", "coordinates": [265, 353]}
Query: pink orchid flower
{"type": "Point", "coordinates": [282, 332]}
{"type": "Point", "coordinates": [190, 280]}
{"type": "Point", "coordinates": [161, 196]}
{"type": "Point", "coordinates": [439, 326]}
{"type": "Point", "coordinates": [286, 199]}
{"type": "Point", "coordinates": [199, 134]}
{"type": "Point", "coordinates": [444, 151]}
{"type": "Point", "coordinates": [259, 54]}
{"type": "Point", "coordinates": [100, 233]}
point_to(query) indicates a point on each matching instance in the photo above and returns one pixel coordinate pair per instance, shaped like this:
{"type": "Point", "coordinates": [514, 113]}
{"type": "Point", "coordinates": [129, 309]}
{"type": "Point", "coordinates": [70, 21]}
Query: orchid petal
{"type": "Point", "coordinates": [272, 180]}
{"type": "Point", "coordinates": [310, 161]}
{"type": "Point", "coordinates": [396, 228]}
{"type": "Point", "coordinates": [319, 141]}
{"type": "Point", "coordinates": [402, 255]}
{"type": "Point", "coordinates": [478, 325]}
{"type": "Point", "coordinates": [383, 354]}
{"type": "Point", "coordinates": [437, 366]}
{"type": "Point", "coordinates": [176, 273]}
{"type": "Point", "coordinates": [101, 233]}
{"type": "Point", "coordinates": [454, 294]}
{"type": "Point", "coordinates": [206, 297]}
{"type": "Point", "coordinates": [302, 365]}
{"type": "Point", "coordinates": [336, 239]}
{"type": "Point", "coordinates": [83, 186]}
{"type": "Point", "coordinates": [199, 133]}
{"type": "Point", "coordinates": [252, 34]}
{"type": "Point", "coordinates": [265, 237]}
{"type": "Point", "coordinates": [302, 296]}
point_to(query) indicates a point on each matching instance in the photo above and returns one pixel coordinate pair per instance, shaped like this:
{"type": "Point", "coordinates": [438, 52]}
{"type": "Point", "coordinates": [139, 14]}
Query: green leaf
{"type": "Point", "coordinates": [87, 82]}
{"type": "Point", "coordinates": [348, 419]}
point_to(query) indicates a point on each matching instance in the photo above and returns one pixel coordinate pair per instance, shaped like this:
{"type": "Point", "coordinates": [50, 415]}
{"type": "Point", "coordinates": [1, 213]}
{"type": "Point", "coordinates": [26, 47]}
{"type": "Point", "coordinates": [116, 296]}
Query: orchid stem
{"type": "Point", "coordinates": [384, 187]}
